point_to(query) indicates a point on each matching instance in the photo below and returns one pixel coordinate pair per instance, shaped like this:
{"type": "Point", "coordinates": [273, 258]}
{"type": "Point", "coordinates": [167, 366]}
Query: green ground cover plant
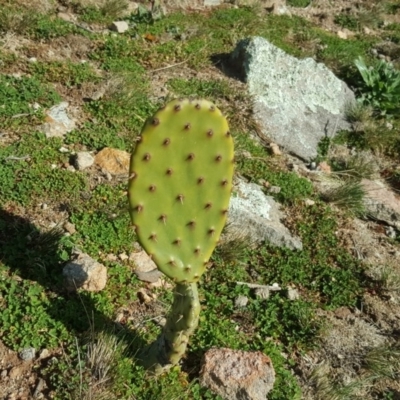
{"type": "Point", "coordinates": [380, 87]}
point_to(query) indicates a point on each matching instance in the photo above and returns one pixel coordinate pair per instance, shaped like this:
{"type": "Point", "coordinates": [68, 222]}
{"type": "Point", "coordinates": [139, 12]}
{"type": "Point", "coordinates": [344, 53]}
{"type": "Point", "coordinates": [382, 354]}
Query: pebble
{"type": "Point", "coordinates": [83, 160]}
{"type": "Point", "coordinates": [391, 232]}
{"type": "Point", "coordinates": [32, 59]}
{"type": "Point", "coordinates": [44, 206]}
{"type": "Point", "coordinates": [262, 292]}
{"type": "Point", "coordinates": [143, 296]}
{"type": "Point", "coordinates": [123, 256]}
{"type": "Point", "coordinates": [63, 150]}
{"type": "Point", "coordinates": [70, 228]}
{"type": "Point", "coordinates": [119, 26]}
{"type": "Point", "coordinates": [44, 354]}
{"type": "Point", "coordinates": [292, 294]}
{"type": "Point", "coordinates": [241, 301]}
{"type": "Point", "coordinates": [15, 372]}
{"type": "Point", "coordinates": [27, 354]}
{"type": "Point", "coordinates": [274, 189]}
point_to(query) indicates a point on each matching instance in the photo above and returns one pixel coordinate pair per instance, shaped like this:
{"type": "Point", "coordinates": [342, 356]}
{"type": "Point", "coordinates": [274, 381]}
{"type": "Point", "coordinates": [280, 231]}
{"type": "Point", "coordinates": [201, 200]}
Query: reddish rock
{"type": "Point", "coordinates": [236, 374]}
{"type": "Point", "coordinates": [114, 161]}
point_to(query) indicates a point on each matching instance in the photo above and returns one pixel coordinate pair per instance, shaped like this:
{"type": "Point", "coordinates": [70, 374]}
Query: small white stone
{"type": "Point", "coordinates": [83, 160]}
{"type": "Point", "coordinates": [53, 166]}
{"type": "Point", "coordinates": [119, 26]}
{"type": "Point", "coordinates": [44, 354]}
{"type": "Point", "coordinates": [241, 301]}
{"type": "Point", "coordinates": [293, 294]}
{"type": "Point", "coordinates": [43, 206]}
{"type": "Point", "coordinates": [309, 202]}
{"type": "Point", "coordinates": [262, 292]}
{"type": "Point", "coordinates": [32, 59]}
{"type": "Point", "coordinates": [123, 256]}
{"type": "Point", "coordinates": [27, 354]}
{"type": "Point", "coordinates": [63, 150]}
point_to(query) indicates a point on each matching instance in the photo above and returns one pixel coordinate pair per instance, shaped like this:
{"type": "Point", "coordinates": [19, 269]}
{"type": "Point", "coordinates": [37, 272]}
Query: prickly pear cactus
{"type": "Point", "coordinates": [179, 188]}
{"type": "Point", "coordinates": [180, 185]}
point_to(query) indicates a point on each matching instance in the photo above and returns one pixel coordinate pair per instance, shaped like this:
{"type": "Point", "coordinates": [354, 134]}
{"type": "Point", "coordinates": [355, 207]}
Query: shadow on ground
{"type": "Point", "coordinates": [33, 255]}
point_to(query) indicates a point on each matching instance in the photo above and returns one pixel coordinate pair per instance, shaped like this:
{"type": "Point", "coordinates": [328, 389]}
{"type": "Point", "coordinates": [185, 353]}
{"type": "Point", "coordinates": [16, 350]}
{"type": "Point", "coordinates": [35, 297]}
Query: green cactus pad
{"type": "Point", "coordinates": [179, 186]}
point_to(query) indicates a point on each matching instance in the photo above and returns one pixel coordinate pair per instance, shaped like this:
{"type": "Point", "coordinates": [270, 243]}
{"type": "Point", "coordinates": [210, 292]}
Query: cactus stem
{"type": "Point", "coordinates": [171, 345]}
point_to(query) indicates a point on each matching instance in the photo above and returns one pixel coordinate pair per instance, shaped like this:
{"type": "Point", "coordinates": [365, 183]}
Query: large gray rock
{"type": "Point", "coordinates": [252, 212]}
{"type": "Point", "coordinates": [297, 102]}
{"type": "Point", "coordinates": [237, 375]}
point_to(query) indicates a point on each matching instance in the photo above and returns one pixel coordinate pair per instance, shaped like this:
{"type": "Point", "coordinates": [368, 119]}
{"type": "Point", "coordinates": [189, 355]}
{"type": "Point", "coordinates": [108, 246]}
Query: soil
{"type": "Point", "coordinates": [350, 333]}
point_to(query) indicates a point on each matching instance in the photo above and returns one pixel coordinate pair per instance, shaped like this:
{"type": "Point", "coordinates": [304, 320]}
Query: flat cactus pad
{"type": "Point", "coordinates": [180, 184]}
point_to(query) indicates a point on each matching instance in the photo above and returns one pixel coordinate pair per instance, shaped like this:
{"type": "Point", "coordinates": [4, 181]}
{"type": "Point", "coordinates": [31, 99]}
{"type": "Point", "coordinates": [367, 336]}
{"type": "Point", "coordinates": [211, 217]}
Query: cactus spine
{"type": "Point", "coordinates": [179, 188]}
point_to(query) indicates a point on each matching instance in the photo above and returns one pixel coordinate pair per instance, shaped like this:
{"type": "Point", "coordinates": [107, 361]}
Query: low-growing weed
{"type": "Point", "coordinates": [380, 86]}
{"type": "Point", "coordinates": [28, 176]}
{"type": "Point", "coordinates": [68, 73]}
{"type": "Point", "coordinates": [292, 187]}
{"type": "Point", "coordinates": [103, 223]}
{"type": "Point", "coordinates": [318, 267]}
{"type": "Point", "coordinates": [18, 95]}
{"type": "Point", "coordinates": [212, 89]}
{"type": "Point", "coordinates": [104, 12]}
{"type": "Point", "coordinates": [348, 195]}
{"type": "Point", "coordinates": [346, 20]}
{"type": "Point", "coordinates": [299, 3]}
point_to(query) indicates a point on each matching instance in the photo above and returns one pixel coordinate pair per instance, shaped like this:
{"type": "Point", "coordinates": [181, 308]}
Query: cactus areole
{"type": "Point", "coordinates": [180, 182]}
